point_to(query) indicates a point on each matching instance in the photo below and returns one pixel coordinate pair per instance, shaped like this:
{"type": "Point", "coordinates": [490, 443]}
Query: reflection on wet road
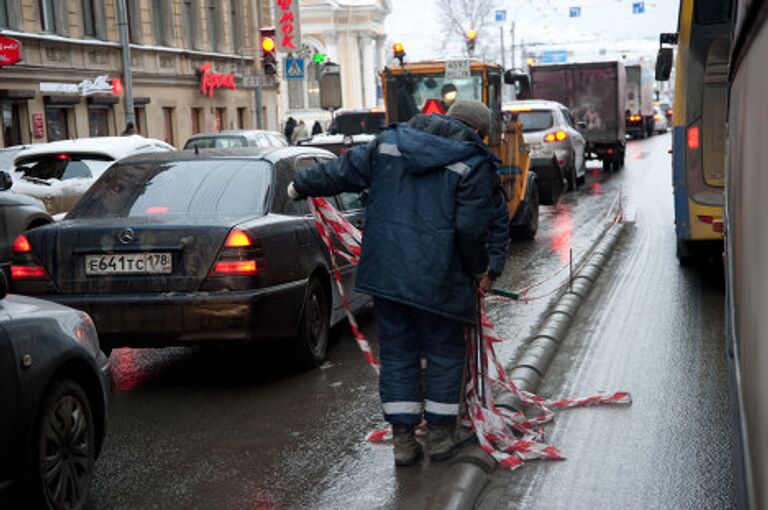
{"type": "Point", "coordinates": [223, 427]}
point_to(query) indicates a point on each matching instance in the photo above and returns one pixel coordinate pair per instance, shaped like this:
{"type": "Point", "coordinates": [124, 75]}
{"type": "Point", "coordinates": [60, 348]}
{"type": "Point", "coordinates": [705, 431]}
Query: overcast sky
{"type": "Point", "coordinates": [604, 22]}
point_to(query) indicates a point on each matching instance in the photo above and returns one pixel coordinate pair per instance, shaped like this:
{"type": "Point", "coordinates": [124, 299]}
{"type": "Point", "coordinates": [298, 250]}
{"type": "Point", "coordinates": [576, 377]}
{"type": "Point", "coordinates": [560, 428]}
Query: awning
{"type": "Point", "coordinates": [16, 94]}
{"type": "Point", "coordinates": [103, 100]}
{"type": "Point", "coordinates": [61, 100]}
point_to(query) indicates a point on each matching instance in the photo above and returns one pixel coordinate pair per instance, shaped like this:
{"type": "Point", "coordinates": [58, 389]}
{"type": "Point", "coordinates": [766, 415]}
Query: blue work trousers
{"type": "Point", "coordinates": [406, 334]}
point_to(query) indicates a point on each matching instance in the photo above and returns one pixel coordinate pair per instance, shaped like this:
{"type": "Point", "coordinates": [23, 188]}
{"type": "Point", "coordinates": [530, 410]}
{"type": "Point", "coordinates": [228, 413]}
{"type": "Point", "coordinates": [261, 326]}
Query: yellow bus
{"type": "Point", "coordinates": [698, 136]}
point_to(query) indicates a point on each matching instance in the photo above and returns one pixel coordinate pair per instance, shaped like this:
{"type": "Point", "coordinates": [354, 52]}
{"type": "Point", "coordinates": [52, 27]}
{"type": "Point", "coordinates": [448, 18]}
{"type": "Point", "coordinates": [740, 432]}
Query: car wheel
{"type": "Point", "coordinates": [572, 174]}
{"type": "Point", "coordinates": [314, 327]}
{"type": "Point", "coordinates": [64, 448]}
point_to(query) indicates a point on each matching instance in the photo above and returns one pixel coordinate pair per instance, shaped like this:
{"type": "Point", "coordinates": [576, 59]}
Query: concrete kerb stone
{"type": "Point", "coordinates": [461, 487]}
{"type": "Point", "coordinates": [538, 354]}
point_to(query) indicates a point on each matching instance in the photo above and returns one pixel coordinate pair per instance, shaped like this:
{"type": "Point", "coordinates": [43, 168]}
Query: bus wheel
{"type": "Point", "coordinates": [684, 253]}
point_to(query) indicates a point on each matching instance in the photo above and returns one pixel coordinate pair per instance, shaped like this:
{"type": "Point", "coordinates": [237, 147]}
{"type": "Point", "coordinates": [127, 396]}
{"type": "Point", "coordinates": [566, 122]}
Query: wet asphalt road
{"type": "Point", "coordinates": [241, 428]}
{"type": "Point", "coordinates": [656, 330]}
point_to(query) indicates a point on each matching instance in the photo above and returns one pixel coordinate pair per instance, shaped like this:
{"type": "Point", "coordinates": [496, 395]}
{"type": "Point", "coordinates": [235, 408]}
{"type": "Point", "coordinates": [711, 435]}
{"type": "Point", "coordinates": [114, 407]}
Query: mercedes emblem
{"type": "Point", "coordinates": [126, 236]}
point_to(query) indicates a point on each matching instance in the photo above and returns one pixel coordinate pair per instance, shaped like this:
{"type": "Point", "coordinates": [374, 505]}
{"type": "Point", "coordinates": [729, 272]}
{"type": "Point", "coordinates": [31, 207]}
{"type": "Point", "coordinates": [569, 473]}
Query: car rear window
{"type": "Point", "coordinates": [368, 123]}
{"type": "Point", "coordinates": [216, 142]}
{"type": "Point", "coordinates": [219, 187]}
{"type": "Point", "coordinates": [62, 166]}
{"type": "Point", "coordinates": [535, 120]}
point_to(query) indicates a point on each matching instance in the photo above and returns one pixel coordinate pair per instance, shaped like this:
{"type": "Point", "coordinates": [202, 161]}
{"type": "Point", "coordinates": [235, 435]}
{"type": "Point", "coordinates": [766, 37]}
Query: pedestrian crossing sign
{"type": "Point", "coordinates": [294, 68]}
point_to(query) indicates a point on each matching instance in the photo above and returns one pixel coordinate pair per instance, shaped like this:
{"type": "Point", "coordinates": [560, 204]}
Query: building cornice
{"type": "Point", "coordinates": [112, 44]}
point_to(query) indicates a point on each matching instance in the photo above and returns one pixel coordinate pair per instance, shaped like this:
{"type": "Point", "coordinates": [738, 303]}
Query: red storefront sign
{"type": "Point", "coordinates": [10, 51]}
{"type": "Point", "coordinates": [209, 81]}
{"type": "Point", "coordinates": [288, 29]}
{"type": "Point", "coordinates": [38, 125]}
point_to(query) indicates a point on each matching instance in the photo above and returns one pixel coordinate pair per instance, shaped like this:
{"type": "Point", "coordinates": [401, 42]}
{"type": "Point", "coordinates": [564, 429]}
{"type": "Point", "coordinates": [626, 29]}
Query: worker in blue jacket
{"type": "Point", "coordinates": [434, 202]}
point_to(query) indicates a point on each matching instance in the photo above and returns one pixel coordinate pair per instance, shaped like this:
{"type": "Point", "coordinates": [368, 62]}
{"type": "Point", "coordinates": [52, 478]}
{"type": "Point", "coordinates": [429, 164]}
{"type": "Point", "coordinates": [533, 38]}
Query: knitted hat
{"type": "Point", "coordinates": [473, 113]}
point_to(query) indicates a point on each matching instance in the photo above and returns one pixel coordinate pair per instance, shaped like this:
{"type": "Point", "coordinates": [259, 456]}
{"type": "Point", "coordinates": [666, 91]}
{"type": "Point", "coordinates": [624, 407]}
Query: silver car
{"type": "Point", "coordinates": [229, 139]}
{"type": "Point", "coordinates": [18, 213]}
{"type": "Point", "coordinates": [550, 132]}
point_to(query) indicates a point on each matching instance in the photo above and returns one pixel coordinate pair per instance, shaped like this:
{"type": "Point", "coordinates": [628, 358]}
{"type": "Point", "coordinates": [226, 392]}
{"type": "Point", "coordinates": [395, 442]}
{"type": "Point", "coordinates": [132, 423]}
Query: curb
{"type": "Point", "coordinates": [470, 472]}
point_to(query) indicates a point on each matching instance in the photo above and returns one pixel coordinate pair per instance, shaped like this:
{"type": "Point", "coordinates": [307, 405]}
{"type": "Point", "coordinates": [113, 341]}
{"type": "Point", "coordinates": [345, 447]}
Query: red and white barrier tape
{"type": "Point", "coordinates": [497, 428]}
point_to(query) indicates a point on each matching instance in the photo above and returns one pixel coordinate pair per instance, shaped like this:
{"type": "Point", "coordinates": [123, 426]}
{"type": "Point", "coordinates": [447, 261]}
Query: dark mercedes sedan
{"type": "Point", "coordinates": [183, 248]}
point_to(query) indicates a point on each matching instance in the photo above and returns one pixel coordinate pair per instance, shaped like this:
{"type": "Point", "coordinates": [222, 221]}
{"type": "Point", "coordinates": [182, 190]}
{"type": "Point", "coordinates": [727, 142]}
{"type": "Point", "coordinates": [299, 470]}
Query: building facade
{"type": "Point", "coordinates": [350, 33]}
{"type": "Point", "coordinates": [195, 67]}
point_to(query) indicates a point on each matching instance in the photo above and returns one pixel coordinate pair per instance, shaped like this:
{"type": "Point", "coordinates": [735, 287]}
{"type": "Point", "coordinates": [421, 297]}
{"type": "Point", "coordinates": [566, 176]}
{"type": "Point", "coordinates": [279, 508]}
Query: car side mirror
{"type": "Point", "coordinates": [581, 125]}
{"type": "Point", "coordinates": [664, 64]}
{"type": "Point", "coordinates": [5, 181]}
{"type": "Point", "coordinates": [3, 284]}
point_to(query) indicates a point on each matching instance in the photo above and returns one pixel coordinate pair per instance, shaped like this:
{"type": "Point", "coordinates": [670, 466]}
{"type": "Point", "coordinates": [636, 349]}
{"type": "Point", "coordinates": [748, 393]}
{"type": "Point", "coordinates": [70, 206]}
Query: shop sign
{"type": "Point", "coordinates": [288, 30]}
{"type": "Point", "coordinates": [38, 125]}
{"type": "Point", "coordinates": [99, 85]}
{"type": "Point", "coordinates": [59, 88]}
{"type": "Point", "coordinates": [11, 51]}
{"type": "Point", "coordinates": [210, 81]}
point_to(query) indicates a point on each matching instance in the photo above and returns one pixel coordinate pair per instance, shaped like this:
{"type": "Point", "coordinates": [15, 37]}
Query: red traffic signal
{"type": "Point", "coordinates": [268, 53]}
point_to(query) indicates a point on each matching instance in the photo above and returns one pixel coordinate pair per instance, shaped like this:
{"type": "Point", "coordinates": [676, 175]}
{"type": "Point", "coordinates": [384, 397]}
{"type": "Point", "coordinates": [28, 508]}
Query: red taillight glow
{"type": "Point", "coordinates": [635, 118]}
{"type": "Point", "coordinates": [557, 136]}
{"type": "Point", "coordinates": [62, 156]}
{"type": "Point", "coordinates": [21, 245]}
{"type": "Point", "coordinates": [157, 210]}
{"type": "Point", "coordinates": [238, 239]}
{"type": "Point", "coordinates": [706, 219]}
{"type": "Point", "coordinates": [693, 138]}
{"type": "Point", "coordinates": [670, 111]}
{"type": "Point", "coordinates": [235, 267]}
{"type": "Point", "coordinates": [27, 273]}
{"type": "Point", "coordinates": [610, 151]}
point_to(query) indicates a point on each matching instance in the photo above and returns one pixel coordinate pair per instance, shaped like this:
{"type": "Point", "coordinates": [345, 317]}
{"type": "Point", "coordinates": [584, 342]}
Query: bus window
{"type": "Point", "coordinates": [712, 12]}
{"type": "Point", "coordinates": [714, 111]}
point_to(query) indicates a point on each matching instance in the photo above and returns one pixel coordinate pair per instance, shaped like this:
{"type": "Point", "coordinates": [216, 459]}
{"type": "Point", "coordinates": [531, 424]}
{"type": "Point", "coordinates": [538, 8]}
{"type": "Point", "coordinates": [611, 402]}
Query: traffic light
{"type": "Point", "coordinates": [268, 54]}
{"type": "Point", "coordinates": [471, 38]}
{"type": "Point", "coordinates": [399, 51]}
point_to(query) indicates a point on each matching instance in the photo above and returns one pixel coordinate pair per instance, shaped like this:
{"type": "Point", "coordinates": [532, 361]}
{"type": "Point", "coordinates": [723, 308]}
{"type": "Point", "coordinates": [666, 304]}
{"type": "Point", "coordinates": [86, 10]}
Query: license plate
{"type": "Point", "coordinates": [128, 263]}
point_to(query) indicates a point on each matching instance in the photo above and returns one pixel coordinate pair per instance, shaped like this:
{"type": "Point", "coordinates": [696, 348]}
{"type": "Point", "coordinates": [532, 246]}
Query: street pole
{"type": "Point", "coordinates": [503, 56]}
{"type": "Point", "coordinates": [513, 43]}
{"type": "Point", "coordinates": [259, 119]}
{"type": "Point", "coordinates": [125, 43]}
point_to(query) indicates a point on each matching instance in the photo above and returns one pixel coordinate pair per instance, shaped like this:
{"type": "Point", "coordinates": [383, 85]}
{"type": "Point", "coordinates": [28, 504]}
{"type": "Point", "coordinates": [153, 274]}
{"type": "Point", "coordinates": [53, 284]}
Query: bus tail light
{"type": "Point", "coordinates": [693, 138]}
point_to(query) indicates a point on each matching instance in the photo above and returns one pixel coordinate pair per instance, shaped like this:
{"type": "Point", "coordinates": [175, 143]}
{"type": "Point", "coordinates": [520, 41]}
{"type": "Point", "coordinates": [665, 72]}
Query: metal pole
{"type": "Point", "coordinates": [259, 99]}
{"type": "Point", "coordinates": [125, 43]}
{"type": "Point", "coordinates": [513, 43]}
{"type": "Point", "coordinates": [503, 56]}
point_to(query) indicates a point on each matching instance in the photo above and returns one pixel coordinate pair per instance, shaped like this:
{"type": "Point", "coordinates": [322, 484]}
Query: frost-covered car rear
{"type": "Point", "coordinates": [59, 173]}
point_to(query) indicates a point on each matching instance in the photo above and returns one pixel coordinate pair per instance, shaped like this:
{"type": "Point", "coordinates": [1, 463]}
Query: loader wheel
{"type": "Point", "coordinates": [527, 231]}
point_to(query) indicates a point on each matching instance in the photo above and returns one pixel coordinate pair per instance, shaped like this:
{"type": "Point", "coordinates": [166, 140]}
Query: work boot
{"type": "Point", "coordinates": [407, 450]}
{"type": "Point", "coordinates": [445, 440]}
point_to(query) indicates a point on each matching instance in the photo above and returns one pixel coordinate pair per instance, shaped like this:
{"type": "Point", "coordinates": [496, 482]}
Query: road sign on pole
{"type": "Point", "coordinates": [294, 68]}
{"type": "Point", "coordinates": [638, 7]}
{"type": "Point", "coordinates": [575, 12]}
{"type": "Point", "coordinates": [501, 16]}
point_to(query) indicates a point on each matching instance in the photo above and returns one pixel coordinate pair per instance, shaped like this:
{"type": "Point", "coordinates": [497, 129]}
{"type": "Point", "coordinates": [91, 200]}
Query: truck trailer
{"type": "Point", "coordinates": [639, 103]}
{"type": "Point", "coordinates": [595, 93]}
